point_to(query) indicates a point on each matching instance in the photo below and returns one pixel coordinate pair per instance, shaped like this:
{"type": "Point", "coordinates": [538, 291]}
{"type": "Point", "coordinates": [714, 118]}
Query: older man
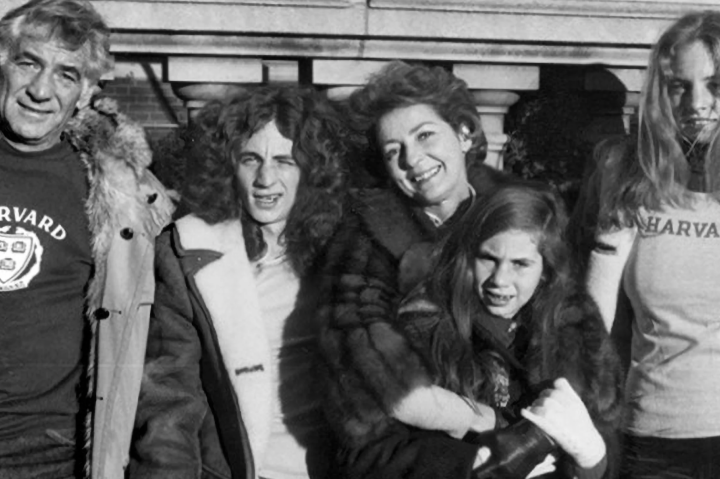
{"type": "Point", "coordinates": [78, 215]}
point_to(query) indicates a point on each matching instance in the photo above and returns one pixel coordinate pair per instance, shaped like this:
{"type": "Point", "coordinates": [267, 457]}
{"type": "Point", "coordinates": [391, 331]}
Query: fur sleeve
{"type": "Point", "coordinates": [370, 363]}
{"type": "Point", "coordinates": [584, 354]}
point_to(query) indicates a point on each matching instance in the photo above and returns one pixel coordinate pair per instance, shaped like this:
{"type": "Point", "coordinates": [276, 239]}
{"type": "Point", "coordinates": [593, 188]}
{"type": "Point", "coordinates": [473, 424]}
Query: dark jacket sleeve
{"type": "Point", "coordinates": [172, 404]}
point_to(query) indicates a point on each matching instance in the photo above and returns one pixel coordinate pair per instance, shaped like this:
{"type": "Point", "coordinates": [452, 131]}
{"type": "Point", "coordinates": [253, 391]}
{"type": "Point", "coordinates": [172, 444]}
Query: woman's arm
{"type": "Point", "coordinates": [172, 404]}
{"type": "Point", "coordinates": [605, 270]}
{"type": "Point", "coordinates": [371, 365]}
{"type": "Point", "coordinates": [434, 407]}
{"type": "Point", "coordinates": [369, 361]}
{"type": "Point", "coordinates": [610, 244]}
{"type": "Point", "coordinates": [438, 409]}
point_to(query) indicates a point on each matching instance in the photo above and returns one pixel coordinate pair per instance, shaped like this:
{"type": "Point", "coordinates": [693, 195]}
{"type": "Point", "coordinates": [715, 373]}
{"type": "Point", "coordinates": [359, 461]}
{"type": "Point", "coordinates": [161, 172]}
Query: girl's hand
{"type": "Point", "coordinates": [560, 412]}
{"type": "Point", "coordinates": [484, 419]}
{"type": "Point", "coordinates": [482, 457]}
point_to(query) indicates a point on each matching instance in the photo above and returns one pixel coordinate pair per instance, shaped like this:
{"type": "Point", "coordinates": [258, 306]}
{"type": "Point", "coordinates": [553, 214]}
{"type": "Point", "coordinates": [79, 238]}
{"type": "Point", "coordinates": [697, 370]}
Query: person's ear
{"type": "Point", "coordinates": [464, 138]}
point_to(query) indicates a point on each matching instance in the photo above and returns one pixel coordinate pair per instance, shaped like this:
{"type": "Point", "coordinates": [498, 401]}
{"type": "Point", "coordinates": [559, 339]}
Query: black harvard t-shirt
{"type": "Point", "coordinates": [45, 264]}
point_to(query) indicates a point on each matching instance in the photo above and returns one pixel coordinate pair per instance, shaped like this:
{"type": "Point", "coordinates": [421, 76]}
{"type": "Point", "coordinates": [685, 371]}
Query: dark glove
{"type": "Point", "coordinates": [515, 450]}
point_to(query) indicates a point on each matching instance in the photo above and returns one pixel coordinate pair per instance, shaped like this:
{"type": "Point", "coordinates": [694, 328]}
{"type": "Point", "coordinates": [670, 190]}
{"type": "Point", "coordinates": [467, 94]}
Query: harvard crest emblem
{"type": "Point", "coordinates": [20, 257]}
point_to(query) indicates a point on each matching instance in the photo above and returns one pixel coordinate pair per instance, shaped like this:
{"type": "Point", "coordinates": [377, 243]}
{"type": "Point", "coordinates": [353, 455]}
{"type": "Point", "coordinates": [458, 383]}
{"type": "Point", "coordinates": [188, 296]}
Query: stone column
{"type": "Point", "coordinates": [340, 78]}
{"type": "Point", "coordinates": [196, 95]}
{"type": "Point", "coordinates": [197, 80]}
{"type": "Point", "coordinates": [493, 87]}
{"type": "Point", "coordinates": [493, 105]}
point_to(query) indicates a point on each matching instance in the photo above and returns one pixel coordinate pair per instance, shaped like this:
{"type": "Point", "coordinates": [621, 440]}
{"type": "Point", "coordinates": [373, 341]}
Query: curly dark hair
{"type": "Point", "coordinates": [399, 85]}
{"type": "Point", "coordinates": [310, 121]}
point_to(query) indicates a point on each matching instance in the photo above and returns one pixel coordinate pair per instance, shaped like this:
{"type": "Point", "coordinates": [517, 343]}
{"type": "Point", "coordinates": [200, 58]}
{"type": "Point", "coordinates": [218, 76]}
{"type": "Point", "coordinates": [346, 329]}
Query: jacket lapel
{"type": "Point", "coordinates": [227, 287]}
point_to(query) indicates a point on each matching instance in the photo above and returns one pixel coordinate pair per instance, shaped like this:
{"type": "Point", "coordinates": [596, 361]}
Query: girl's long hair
{"type": "Point", "coordinates": [528, 207]}
{"type": "Point", "coordinates": [655, 170]}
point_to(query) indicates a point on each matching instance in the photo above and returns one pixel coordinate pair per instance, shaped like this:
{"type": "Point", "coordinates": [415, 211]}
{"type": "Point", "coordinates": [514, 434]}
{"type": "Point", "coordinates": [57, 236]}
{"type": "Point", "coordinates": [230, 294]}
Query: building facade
{"type": "Point", "coordinates": [174, 55]}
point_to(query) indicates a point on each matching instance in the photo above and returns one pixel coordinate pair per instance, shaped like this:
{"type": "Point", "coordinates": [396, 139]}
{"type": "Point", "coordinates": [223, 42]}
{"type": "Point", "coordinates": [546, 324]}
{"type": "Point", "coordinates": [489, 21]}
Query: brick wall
{"type": "Point", "coordinates": [149, 102]}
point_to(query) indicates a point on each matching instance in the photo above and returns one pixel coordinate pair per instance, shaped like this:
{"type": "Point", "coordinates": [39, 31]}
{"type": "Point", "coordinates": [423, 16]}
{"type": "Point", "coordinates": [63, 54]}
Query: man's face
{"type": "Point", "coordinates": [269, 177]}
{"type": "Point", "coordinates": [41, 85]}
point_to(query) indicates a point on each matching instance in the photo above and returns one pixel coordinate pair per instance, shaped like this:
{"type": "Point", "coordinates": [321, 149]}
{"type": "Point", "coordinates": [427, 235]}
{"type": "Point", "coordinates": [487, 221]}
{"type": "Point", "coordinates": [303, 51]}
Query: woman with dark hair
{"type": "Point", "coordinates": [656, 254]}
{"type": "Point", "coordinates": [424, 141]}
{"type": "Point", "coordinates": [501, 322]}
{"type": "Point", "coordinates": [228, 389]}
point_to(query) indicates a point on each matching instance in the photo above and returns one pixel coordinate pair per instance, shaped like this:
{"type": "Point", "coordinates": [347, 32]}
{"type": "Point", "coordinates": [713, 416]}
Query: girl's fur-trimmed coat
{"type": "Point", "coordinates": [578, 348]}
{"type": "Point", "coordinates": [127, 207]}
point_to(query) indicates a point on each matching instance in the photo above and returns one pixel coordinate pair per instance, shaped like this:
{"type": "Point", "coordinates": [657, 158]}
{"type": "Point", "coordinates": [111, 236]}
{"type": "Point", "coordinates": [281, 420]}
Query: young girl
{"type": "Point", "coordinates": [502, 323]}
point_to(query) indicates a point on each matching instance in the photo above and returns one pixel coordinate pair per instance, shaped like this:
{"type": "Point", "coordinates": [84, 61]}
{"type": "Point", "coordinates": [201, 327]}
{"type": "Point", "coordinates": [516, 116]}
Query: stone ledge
{"type": "Point", "coordinates": [499, 77]}
{"type": "Point", "coordinates": [344, 48]}
{"type": "Point", "coordinates": [270, 3]}
{"type": "Point", "coordinates": [597, 8]}
{"type": "Point", "coordinates": [515, 20]}
{"type": "Point", "coordinates": [575, 21]}
{"type": "Point", "coordinates": [514, 27]}
{"type": "Point", "coordinates": [214, 69]}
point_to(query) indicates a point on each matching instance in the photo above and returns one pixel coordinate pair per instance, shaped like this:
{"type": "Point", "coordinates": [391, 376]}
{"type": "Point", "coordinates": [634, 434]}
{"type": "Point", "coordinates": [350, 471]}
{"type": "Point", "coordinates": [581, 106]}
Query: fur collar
{"type": "Point", "coordinates": [116, 156]}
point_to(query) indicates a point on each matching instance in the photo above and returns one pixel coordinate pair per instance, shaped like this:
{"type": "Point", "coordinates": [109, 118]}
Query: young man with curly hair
{"type": "Point", "coordinates": [230, 380]}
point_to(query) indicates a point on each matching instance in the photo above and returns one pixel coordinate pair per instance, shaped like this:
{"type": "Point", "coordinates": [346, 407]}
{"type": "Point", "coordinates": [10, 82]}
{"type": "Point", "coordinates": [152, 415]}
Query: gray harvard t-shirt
{"type": "Point", "coordinates": [672, 278]}
{"type": "Point", "coordinates": [45, 264]}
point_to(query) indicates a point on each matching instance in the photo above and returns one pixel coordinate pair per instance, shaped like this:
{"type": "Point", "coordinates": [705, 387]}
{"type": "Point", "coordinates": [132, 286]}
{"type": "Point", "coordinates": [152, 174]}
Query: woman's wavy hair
{"type": "Point", "coordinates": [526, 206]}
{"type": "Point", "coordinates": [211, 190]}
{"type": "Point", "coordinates": [399, 85]}
{"type": "Point", "coordinates": [75, 24]}
{"type": "Point", "coordinates": [656, 170]}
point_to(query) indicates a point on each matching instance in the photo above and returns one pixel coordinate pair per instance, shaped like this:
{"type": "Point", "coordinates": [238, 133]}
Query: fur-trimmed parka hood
{"type": "Point", "coordinates": [117, 156]}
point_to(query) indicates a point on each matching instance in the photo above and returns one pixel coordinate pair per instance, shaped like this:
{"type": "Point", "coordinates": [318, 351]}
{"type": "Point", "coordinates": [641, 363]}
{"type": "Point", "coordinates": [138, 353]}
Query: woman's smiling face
{"type": "Point", "coordinates": [508, 269]}
{"type": "Point", "coordinates": [424, 156]}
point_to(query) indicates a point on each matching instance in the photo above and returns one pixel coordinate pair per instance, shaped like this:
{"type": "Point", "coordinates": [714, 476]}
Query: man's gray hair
{"type": "Point", "coordinates": [74, 24]}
